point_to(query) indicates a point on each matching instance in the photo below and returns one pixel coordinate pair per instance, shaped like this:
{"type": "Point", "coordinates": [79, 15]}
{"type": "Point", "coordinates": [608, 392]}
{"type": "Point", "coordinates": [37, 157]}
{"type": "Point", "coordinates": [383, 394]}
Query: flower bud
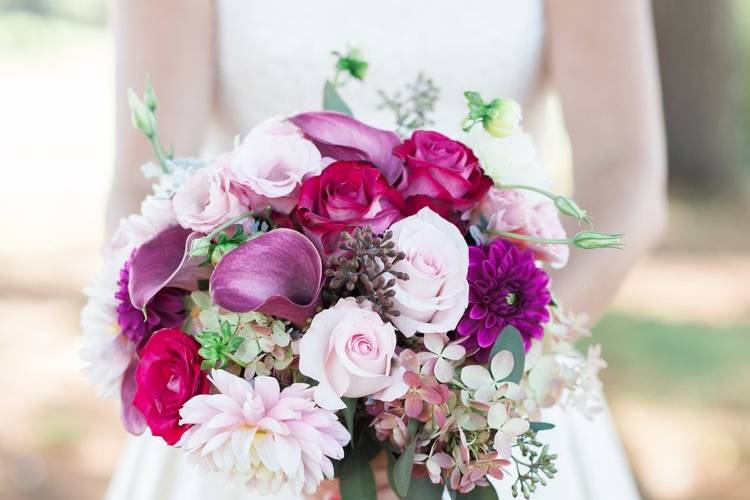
{"type": "Point", "coordinates": [140, 115]}
{"type": "Point", "coordinates": [567, 206]}
{"type": "Point", "coordinates": [353, 63]}
{"type": "Point", "coordinates": [149, 97]}
{"type": "Point", "coordinates": [221, 250]}
{"type": "Point", "coordinates": [502, 117]}
{"type": "Point", "coordinates": [594, 239]}
{"type": "Point", "coordinates": [200, 247]}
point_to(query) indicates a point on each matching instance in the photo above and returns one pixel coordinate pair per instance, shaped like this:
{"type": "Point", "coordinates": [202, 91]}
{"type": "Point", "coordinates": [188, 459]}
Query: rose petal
{"type": "Point", "coordinates": [278, 273]}
{"type": "Point", "coordinates": [341, 137]}
{"type": "Point", "coordinates": [164, 261]}
{"type": "Point", "coordinates": [131, 416]}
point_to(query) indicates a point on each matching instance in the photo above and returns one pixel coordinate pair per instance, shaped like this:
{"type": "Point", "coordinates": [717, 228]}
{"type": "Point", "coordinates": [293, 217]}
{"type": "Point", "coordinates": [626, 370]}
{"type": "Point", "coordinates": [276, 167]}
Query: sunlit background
{"type": "Point", "coordinates": [677, 338]}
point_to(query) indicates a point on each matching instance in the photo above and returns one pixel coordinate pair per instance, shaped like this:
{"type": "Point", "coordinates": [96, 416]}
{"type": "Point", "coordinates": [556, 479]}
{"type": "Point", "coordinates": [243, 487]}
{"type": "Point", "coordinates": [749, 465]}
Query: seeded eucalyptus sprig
{"type": "Point", "coordinates": [537, 463]}
{"type": "Point", "coordinates": [363, 270]}
{"type": "Point", "coordinates": [413, 106]}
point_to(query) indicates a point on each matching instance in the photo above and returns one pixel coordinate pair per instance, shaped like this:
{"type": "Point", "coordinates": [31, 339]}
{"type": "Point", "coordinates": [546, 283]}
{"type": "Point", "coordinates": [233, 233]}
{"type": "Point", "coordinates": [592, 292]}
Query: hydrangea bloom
{"type": "Point", "coordinates": [262, 435]}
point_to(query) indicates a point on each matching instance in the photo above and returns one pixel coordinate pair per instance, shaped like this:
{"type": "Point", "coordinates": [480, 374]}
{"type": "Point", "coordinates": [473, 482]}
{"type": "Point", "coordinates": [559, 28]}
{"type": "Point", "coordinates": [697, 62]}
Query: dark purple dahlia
{"type": "Point", "coordinates": [165, 310]}
{"type": "Point", "coordinates": [505, 288]}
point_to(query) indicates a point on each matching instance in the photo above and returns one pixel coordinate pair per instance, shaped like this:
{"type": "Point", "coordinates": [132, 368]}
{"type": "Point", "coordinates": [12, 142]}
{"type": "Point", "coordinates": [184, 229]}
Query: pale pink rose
{"type": "Point", "coordinates": [436, 294]}
{"type": "Point", "coordinates": [271, 163]}
{"type": "Point", "coordinates": [206, 200]}
{"type": "Point", "coordinates": [511, 211]}
{"type": "Point", "coordinates": [349, 350]}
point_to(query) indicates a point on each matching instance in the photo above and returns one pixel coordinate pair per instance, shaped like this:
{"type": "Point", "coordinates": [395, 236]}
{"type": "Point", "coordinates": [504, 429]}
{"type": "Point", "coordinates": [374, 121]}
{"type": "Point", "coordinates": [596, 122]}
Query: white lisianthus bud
{"type": "Point", "coordinates": [140, 115]}
{"type": "Point", "coordinates": [502, 117]}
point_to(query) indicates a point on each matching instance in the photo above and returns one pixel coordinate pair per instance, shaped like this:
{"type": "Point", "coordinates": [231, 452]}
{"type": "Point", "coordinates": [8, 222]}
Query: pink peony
{"type": "Point", "coordinates": [271, 164]}
{"type": "Point", "coordinates": [167, 375]}
{"type": "Point", "coordinates": [349, 350]}
{"type": "Point", "coordinates": [436, 294]}
{"type": "Point", "coordinates": [264, 436]}
{"type": "Point", "coordinates": [206, 200]}
{"type": "Point", "coordinates": [509, 210]}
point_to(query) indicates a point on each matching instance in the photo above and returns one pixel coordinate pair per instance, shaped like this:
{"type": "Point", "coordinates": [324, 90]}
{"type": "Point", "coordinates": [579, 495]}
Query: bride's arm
{"type": "Point", "coordinates": [603, 61]}
{"type": "Point", "coordinates": [173, 42]}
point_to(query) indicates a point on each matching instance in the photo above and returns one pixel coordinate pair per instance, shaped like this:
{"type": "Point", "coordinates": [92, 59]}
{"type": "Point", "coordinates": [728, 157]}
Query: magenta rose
{"type": "Point", "coordinates": [168, 374]}
{"type": "Point", "coordinates": [345, 195]}
{"type": "Point", "coordinates": [441, 173]}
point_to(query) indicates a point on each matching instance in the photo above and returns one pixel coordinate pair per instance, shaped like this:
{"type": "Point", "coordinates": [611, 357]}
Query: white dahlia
{"type": "Point", "coordinates": [264, 436]}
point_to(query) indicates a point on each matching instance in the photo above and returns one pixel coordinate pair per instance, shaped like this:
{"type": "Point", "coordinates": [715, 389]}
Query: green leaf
{"type": "Point", "coordinates": [351, 407]}
{"type": "Point", "coordinates": [541, 426]}
{"type": "Point", "coordinates": [479, 493]}
{"type": "Point", "coordinates": [405, 463]}
{"type": "Point", "coordinates": [357, 478]}
{"type": "Point", "coordinates": [510, 340]}
{"type": "Point", "coordinates": [332, 101]}
{"type": "Point", "coordinates": [422, 488]}
{"type": "Point", "coordinates": [474, 98]}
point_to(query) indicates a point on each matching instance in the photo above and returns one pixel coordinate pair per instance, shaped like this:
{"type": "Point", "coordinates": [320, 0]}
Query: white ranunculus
{"type": "Point", "coordinates": [436, 294]}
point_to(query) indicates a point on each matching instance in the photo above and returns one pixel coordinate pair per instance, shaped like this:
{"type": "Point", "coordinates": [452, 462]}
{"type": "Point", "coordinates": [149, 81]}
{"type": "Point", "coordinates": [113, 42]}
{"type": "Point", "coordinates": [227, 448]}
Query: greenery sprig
{"type": "Point", "coordinates": [537, 467]}
{"type": "Point", "coordinates": [412, 106]}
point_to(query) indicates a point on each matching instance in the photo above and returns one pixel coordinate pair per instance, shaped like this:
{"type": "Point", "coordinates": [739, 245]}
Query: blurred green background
{"type": "Point", "coordinates": [677, 337]}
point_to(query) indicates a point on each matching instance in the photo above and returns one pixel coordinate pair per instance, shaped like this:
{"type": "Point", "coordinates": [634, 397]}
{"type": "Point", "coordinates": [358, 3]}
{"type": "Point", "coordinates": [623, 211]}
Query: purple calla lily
{"type": "Point", "coordinates": [343, 138]}
{"type": "Point", "coordinates": [164, 261]}
{"type": "Point", "coordinates": [278, 273]}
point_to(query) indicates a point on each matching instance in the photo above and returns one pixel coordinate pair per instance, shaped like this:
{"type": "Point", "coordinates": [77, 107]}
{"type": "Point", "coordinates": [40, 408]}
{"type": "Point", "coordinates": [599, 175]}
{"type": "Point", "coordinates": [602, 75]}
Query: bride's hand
{"type": "Point", "coordinates": [329, 490]}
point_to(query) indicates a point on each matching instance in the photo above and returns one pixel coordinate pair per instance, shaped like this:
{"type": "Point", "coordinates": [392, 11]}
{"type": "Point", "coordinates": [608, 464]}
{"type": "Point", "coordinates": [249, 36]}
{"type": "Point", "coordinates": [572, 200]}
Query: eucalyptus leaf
{"type": "Point", "coordinates": [422, 488]}
{"type": "Point", "coordinates": [541, 426]}
{"type": "Point", "coordinates": [402, 469]}
{"type": "Point", "coordinates": [332, 101]}
{"type": "Point", "coordinates": [356, 477]}
{"type": "Point", "coordinates": [479, 493]}
{"type": "Point", "coordinates": [510, 340]}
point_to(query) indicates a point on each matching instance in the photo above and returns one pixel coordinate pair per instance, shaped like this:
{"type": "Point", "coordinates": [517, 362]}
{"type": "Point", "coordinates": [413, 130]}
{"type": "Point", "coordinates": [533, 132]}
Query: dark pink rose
{"type": "Point", "coordinates": [345, 195]}
{"type": "Point", "coordinates": [443, 170]}
{"type": "Point", "coordinates": [168, 374]}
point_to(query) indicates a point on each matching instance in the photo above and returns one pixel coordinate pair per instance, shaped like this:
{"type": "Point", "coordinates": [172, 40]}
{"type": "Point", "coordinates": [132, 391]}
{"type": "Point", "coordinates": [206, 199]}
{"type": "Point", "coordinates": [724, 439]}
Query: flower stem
{"type": "Point", "coordinates": [527, 187]}
{"type": "Point", "coordinates": [523, 237]}
{"type": "Point", "coordinates": [230, 222]}
{"type": "Point", "coordinates": [159, 153]}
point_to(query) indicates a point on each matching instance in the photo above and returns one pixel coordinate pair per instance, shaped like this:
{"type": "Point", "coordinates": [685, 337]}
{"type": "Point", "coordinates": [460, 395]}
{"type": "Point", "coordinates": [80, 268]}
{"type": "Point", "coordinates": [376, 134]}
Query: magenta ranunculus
{"type": "Point", "coordinates": [168, 374]}
{"type": "Point", "coordinates": [505, 288]}
{"type": "Point", "coordinates": [442, 170]}
{"type": "Point", "coordinates": [345, 195]}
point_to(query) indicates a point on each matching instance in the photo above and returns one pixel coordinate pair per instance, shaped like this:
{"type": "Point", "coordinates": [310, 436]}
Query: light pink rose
{"type": "Point", "coordinates": [206, 200]}
{"type": "Point", "coordinates": [436, 294]}
{"type": "Point", "coordinates": [509, 210]}
{"type": "Point", "coordinates": [271, 163]}
{"type": "Point", "coordinates": [349, 350]}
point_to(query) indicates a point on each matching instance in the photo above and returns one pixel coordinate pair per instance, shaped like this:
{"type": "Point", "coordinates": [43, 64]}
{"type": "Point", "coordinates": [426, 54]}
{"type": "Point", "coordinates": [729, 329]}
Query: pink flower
{"type": "Point", "coordinates": [271, 163]}
{"type": "Point", "coordinates": [346, 195]}
{"type": "Point", "coordinates": [206, 200]}
{"type": "Point", "coordinates": [262, 435]}
{"type": "Point", "coordinates": [443, 170]}
{"type": "Point", "coordinates": [510, 211]}
{"type": "Point", "coordinates": [424, 396]}
{"type": "Point", "coordinates": [167, 375]}
{"type": "Point", "coordinates": [436, 294]}
{"type": "Point", "coordinates": [349, 350]}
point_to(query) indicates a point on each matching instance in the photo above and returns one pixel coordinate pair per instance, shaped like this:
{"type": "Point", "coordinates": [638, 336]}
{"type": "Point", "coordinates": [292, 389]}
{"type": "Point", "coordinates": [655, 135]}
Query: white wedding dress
{"type": "Point", "coordinates": [273, 57]}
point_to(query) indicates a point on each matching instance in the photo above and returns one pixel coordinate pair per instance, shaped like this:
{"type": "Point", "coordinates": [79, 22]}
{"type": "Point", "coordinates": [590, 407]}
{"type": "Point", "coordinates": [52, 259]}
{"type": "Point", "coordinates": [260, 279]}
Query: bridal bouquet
{"type": "Point", "coordinates": [327, 291]}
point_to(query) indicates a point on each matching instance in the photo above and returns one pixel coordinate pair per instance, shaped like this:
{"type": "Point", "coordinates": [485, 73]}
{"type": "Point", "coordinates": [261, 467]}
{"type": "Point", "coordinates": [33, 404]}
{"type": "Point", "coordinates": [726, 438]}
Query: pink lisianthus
{"type": "Point", "coordinates": [349, 350]}
{"type": "Point", "coordinates": [510, 211]}
{"type": "Point", "coordinates": [271, 163]}
{"type": "Point", "coordinates": [261, 435]}
{"type": "Point", "coordinates": [206, 200]}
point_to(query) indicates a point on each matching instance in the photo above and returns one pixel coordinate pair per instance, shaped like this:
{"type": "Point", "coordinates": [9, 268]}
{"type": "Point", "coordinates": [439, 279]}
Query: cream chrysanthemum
{"type": "Point", "coordinates": [264, 436]}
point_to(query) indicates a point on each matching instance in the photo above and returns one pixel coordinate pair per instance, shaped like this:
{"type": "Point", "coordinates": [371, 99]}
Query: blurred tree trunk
{"type": "Point", "coordinates": [701, 81]}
